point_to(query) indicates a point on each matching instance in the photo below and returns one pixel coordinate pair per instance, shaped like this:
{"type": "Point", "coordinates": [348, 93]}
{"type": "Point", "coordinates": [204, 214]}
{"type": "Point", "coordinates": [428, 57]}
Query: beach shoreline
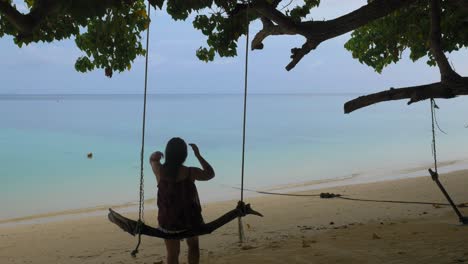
{"type": "Point", "coordinates": [445, 167]}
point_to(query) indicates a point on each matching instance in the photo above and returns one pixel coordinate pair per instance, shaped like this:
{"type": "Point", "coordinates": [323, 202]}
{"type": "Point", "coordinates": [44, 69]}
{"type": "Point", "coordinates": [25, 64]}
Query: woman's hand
{"type": "Point", "coordinates": [205, 174]}
{"type": "Point", "coordinates": [156, 156]}
{"type": "Point", "coordinates": [155, 161]}
{"type": "Point", "coordinates": [196, 151]}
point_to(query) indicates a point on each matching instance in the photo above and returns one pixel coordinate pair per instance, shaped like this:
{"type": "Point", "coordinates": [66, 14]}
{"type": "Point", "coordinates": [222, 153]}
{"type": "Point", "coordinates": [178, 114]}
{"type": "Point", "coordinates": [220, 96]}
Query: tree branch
{"type": "Point", "coordinates": [451, 85]}
{"type": "Point", "coordinates": [415, 94]}
{"type": "Point", "coordinates": [298, 53]}
{"type": "Point", "coordinates": [372, 11]}
{"type": "Point", "coordinates": [446, 71]}
{"type": "Point", "coordinates": [268, 29]}
{"type": "Point", "coordinates": [286, 23]}
{"type": "Point", "coordinates": [318, 31]}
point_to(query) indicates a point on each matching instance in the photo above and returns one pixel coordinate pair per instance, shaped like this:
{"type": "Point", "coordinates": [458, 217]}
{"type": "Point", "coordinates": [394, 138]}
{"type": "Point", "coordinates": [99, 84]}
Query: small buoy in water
{"type": "Point", "coordinates": [90, 155]}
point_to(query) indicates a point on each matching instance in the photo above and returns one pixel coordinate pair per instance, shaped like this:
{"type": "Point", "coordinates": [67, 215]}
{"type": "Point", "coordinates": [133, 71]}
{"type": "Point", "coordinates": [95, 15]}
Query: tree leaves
{"type": "Point", "coordinates": [83, 64]}
{"type": "Point", "coordinates": [113, 41]}
{"type": "Point", "coordinates": [300, 12]}
{"type": "Point", "coordinates": [157, 3]}
{"type": "Point", "coordinates": [110, 37]}
{"type": "Point", "coordinates": [222, 32]}
{"type": "Point", "coordinates": [108, 32]}
{"type": "Point", "coordinates": [382, 42]}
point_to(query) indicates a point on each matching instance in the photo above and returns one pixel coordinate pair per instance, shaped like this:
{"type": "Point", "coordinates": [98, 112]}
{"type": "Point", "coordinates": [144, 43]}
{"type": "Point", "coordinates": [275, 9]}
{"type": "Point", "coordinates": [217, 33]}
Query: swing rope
{"type": "Point", "coordinates": [435, 174]}
{"type": "Point", "coordinates": [141, 209]}
{"type": "Point", "coordinates": [246, 78]}
{"type": "Point", "coordinates": [434, 149]}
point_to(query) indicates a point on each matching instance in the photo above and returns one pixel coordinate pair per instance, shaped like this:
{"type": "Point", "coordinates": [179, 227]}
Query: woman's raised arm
{"type": "Point", "coordinates": [205, 174]}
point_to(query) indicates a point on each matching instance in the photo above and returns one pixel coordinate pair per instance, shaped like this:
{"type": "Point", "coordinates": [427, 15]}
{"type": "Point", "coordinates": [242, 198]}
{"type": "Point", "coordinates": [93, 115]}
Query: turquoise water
{"type": "Point", "coordinates": [290, 138]}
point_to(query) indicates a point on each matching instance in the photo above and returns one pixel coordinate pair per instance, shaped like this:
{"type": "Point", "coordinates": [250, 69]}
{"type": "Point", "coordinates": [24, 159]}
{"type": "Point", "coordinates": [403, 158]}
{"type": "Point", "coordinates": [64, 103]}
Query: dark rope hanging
{"type": "Point", "coordinates": [141, 209]}
{"type": "Point", "coordinates": [434, 148]}
{"type": "Point", "coordinates": [246, 78]}
{"type": "Point", "coordinates": [435, 173]}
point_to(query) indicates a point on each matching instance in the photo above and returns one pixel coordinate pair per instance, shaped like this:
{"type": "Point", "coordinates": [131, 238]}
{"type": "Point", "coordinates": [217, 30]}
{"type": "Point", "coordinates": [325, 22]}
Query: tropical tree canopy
{"type": "Point", "coordinates": [109, 32]}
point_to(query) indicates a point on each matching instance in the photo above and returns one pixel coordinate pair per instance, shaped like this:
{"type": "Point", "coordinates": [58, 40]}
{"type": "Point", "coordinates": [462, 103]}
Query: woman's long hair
{"type": "Point", "coordinates": [174, 157]}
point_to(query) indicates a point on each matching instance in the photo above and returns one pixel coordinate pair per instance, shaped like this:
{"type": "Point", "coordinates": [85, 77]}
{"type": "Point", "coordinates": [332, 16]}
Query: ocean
{"type": "Point", "coordinates": [290, 138]}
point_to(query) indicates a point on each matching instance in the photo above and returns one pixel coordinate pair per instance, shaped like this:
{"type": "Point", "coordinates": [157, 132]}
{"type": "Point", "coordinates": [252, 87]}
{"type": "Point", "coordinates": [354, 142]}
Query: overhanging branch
{"type": "Point", "coordinates": [318, 31]}
{"type": "Point", "coordinates": [298, 53]}
{"type": "Point", "coordinates": [268, 29]}
{"type": "Point", "coordinates": [415, 94]}
{"type": "Point", "coordinates": [446, 71]}
{"type": "Point", "coordinates": [373, 10]}
{"type": "Point", "coordinates": [286, 23]}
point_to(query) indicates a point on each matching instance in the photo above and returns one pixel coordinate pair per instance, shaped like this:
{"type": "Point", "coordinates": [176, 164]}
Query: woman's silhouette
{"type": "Point", "coordinates": [178, 202]}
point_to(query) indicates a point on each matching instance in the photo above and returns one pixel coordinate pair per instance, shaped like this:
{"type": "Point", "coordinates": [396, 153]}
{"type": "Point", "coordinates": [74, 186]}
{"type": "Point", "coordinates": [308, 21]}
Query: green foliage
{"type": "Point", "coordinates": [29, 3]}
{"type": "Point", "coordinates": [157, 3]}
{"type": "Point", "coordinates": [222, 33]}
{"type": "Point", "coordinates": [110, 37]}
{"type": "Point", "coordinates": [113, 41]}
{"type": "Point", "coordinates": [383, 41]}
{"type": "Point", "coordinates": [222, 30]}
{"type": "Point", "coordinates": [108, 32]}
{"type": "Point", "coordinates": [300, 12]}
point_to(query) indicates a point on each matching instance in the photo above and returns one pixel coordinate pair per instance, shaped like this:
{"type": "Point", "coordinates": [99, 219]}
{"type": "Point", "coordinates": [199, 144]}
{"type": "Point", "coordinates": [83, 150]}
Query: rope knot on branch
{"type": "Point", "coordinates": [245, 209]}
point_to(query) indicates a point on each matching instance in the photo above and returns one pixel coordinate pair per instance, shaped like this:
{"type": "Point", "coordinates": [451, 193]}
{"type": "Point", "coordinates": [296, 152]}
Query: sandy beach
{"type": "Point", "coordinates": [294, 230]}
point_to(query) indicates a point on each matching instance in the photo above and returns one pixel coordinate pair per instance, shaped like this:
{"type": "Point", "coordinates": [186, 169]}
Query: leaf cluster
{"type": "Point", "coordinates": [383, 41]}
{"type": "Point", "coordinates": [108, 35]}
{"type": "Point", "coordinates": [113, 41]}
{"type": "Point", "coordinates": [300, 12]}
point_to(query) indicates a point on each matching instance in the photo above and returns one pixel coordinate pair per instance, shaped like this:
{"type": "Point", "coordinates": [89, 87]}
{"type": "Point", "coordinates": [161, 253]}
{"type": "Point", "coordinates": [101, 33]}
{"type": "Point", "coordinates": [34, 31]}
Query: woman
{"type": "Point", "coordinates": [178, 202]}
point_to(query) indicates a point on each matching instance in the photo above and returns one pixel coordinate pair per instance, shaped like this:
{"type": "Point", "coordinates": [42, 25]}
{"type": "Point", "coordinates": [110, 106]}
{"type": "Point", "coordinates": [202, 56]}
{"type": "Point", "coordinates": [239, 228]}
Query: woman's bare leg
{"type": "Point", "coordinates": [173, 250]}
{"type": "Point", "coordinates": [193, 250]}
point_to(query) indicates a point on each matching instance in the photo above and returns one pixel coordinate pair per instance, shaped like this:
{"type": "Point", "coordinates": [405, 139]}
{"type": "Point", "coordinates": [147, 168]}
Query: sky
{"type": "Point", "coordinates": [48, 68]}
